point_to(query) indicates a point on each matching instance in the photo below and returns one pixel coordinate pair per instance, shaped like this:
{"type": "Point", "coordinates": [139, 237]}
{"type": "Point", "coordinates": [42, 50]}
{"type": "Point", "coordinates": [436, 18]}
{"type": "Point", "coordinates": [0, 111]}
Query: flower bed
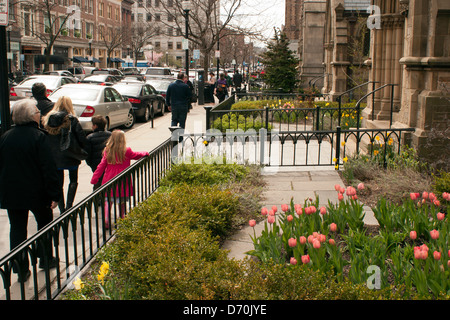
{"type": "Point", "coordinates": [410, 250]}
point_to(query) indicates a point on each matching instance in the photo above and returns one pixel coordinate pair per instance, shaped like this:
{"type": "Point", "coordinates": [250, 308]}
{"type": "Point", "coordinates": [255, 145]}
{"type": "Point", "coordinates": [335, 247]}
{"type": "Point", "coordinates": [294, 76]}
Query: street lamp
{"type": "Point", "coordinates": [186, 5]}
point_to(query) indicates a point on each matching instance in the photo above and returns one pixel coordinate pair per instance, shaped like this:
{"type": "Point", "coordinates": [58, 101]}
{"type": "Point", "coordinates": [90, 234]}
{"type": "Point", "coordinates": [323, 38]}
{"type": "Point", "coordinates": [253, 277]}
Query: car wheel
{"type": "Point", "coordinates": [130, 120]}
{"type": "Point", "coordinates": [149, 113]}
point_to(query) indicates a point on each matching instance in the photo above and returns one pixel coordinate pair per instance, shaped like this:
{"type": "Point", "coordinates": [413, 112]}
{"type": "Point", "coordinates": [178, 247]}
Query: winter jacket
{"type": "Point", "coordinates": [28, 175]}
{"type": "Point", "coordinates": [44, 104]}
{"type": "Point", "coordinates": [178, 95]}
{"type": "Point", "coordinates": [55, 123]}
{"type": "Point", "coordinates": [96, 142]}
{"type": "Point", "coordinates": [112, 170]}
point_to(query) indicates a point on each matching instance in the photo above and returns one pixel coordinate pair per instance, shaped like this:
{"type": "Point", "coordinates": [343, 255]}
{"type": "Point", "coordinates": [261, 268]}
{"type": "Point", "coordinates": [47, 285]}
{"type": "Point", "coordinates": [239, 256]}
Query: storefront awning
{"type": "Point", "coordinates": [79, 59]}
{"type": "Point", "coordinates": [93, 60]}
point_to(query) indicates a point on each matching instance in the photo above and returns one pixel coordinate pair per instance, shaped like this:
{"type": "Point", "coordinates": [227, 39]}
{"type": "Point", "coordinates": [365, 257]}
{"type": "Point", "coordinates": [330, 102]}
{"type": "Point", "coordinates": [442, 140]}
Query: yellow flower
{"type": "Point", "coordinates": [345, 159]}
{"type": "Point", "coordinates": [327, 104]}
{"type": "Point", "coordinates": [375, 152]}
{"type": "Point", "coordinates": [343, 143]}
{"type": "Point", "coordinates": [361, 118]}
{"type": "Point", "coordinates": [78, 284]}
{"type": "Point", "coordinates": [104, 268]}
{"type": "Point", "coordinates": [377, 138]}
{"type": "Point", "coordinates": [334, 159]}
{"type": "Point", "coordinates": [306, 117]}
{"type": "Point", "coordinates": [336, 166]}
{"type": "Point", "coordinates": [205, 142]}
{"type": "Point", "coordinates": [390, 141]}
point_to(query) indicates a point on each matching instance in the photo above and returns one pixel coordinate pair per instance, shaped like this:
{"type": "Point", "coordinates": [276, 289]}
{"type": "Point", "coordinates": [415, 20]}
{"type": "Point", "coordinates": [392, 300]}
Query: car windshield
{"type": "Point", "coordinates": [49, 82]}
{"type": "Point", "coordinates": [158, 72]}
{"type": "Point", "coordinates": [128, 90]}
{"type": "Point", "coordinates": [160, 85]}
{"type": "Point", "coordinates": [76, 93]}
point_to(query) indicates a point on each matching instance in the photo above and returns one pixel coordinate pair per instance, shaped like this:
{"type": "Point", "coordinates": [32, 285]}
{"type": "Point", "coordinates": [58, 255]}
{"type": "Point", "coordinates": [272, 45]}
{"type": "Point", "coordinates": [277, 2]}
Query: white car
{"type": "Point", "coordinates": [91, 99]}
{"type": "Point", "coordinates": [51, 82]}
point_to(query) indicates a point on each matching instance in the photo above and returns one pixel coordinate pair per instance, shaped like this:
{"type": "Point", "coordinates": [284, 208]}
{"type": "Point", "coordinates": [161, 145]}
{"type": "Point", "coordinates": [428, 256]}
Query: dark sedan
{"type": "Point", "coordinates": [143, 97]}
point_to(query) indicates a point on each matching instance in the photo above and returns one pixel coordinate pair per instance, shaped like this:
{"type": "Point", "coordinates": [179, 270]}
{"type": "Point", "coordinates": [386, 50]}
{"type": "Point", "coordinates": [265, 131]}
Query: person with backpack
{"type": "Point", "coordinates": [221, 88]}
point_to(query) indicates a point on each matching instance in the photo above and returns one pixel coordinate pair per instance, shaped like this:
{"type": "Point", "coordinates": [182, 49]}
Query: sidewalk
{"type": "Point", "coordinates": [282, 184]}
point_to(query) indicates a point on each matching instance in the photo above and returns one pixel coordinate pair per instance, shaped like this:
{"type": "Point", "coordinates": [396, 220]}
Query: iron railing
{"type": "Point", "coordinates": [291, 148]}
{"type": "Point", "coordinates": [77, 235]}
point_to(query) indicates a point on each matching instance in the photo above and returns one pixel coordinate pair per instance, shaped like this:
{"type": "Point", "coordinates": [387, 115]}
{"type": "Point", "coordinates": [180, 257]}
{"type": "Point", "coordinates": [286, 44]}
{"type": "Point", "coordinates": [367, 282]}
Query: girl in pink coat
{"type": "Point", "coordinates": [116, 158]}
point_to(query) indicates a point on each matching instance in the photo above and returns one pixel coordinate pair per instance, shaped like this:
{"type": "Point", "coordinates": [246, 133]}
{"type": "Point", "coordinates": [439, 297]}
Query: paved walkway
{"type": "Point", "coordinates": [283, 184]}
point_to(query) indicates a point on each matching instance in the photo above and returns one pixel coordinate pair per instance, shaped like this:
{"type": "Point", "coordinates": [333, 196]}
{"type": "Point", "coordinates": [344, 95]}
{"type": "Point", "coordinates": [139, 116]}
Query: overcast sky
{"type": "Point", "coordinates": [263, 15]}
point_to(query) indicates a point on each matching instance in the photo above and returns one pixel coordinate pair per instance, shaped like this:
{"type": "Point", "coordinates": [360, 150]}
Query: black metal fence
{"type": "Point", "coordinates": [291, 148]}
{"type": "Point", "coordinates": [76, 236]}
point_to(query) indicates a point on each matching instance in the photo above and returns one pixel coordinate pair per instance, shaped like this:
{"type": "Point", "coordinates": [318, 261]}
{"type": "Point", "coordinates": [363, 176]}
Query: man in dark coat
{"type": "Point", "coordinates": [178, 96]}
{"type": "Point", "coordinates": [237, 81]}
{"type": "Point", "coordinates": [44, 104]}
{"type": "Point", "coordinates": [29, 180]}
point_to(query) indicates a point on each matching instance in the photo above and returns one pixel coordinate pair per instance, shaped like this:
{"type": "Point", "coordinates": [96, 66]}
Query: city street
{"type": "Point", "coordinates": [142, 137]}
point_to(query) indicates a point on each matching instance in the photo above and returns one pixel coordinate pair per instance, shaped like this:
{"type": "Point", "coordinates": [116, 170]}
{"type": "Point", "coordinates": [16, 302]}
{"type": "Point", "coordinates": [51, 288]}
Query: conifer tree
{"type": "Point", "coordinates": [280, 64]}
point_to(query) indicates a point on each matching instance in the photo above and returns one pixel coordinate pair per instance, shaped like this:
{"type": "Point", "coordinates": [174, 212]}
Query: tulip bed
{"type": "Point", "coordinates": [409, 251]}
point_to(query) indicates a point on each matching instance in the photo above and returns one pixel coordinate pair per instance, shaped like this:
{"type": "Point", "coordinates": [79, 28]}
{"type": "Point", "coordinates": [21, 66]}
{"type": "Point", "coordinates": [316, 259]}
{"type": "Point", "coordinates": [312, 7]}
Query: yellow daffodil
{"type": "Point", "coordinates": [345, 159]}
{"type": "Point", "coordinates": [104, 268]}
{"type": "Point", "coordinates": [377, 138]}
{"type": "Point", "coordinates": [375, 152]}
{"type": "Point", "coordinates": [343, 143]}
{"type": "Point", "coordinates": [78, 284]}
{"type": "Point", "coordinates": [390, 141]}
{"type": "Point", "coordinates": [327, 104]}
{"type": "Point", "coordinates": [334, 159]}
{"type": "Point", "coordinates": [336, 166]}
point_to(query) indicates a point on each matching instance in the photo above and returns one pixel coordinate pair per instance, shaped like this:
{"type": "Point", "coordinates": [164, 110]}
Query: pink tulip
{"type": "Point", "coordinates": [308, 210]}
{"type": "Point", "coordinates": [316, 244]}
{"type": "Point", "coordinates": [289, 218]}
{"type": "Point", "coordinates": [271, 219]}
{"type": "Point", "coordinates": [340, 196]}
{"type": "Point", "coordinates": [285, 207]}
{"type": "Point", "coordinates": [440, 216]}
{"type": "Point", "coordinates": [333, 227]}
{"type": "Point", "coordinates": [274, 208]}
{"type": "Point", "coordinates": [323, 210]}
{"type": "Point", "coordinates": [293, 261]}
{"type": "Point", "coordinates": [337, 187]}
{"type": "Point", "coordinates": [423, 254]}
{"type": "Point", "coordinates": [322, 237]}
{"type": "Point", "coordinates": [313, 209]}
{"type": "Point", "coordinates": [264, 211]}
{"type": "Point", "coordinates": [413, 235]}
{"type": "Point", "coordinates": [436, 255]}
{"type": "Point", "coordinates": [306, 259]}
{"type": "Point", "coordinates": [437, 203]}
{"type": "Point", "coordinates": [350, 191]}
{"type": "Point", "coordinates": [310, 238]}
{"type": "Point", "coordinates": [434, 234]}
{"type": "Point", "coordinates": [424, 247]}
{"type": "Point", "coordinates": [299, 210]}
{"type": "Point", "coordinates": [332, 242]}
{"type": "Point", "coordinates": [271, 213]}
{"type": "Point", "coordinates": [425, 195]}
{"type": "Point", "coordinates": [413, 196]}
{"type": "Point", "coordinates": [417, 254]}
{"type": "Point", "coordinates": [361, 186]}
{"type": "Point", "coordinates": [431, 196]}
{"type": "Point", "coordinates": [292, 242]}
{"type": "Point", "coordinates": [252, 223]}
{"type": "Point", "coordinates": [354, 197]}
{"type": "Point", "coordinates": [342, 190]}
{"type": "Point", "coordinates": [302, 239]}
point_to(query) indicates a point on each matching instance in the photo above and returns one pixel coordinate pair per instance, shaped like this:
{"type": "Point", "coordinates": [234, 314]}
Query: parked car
{"type": "Point", "coordinates": [143, 97]}
{"type": "Point", "coordinates": [130, 70]}
{"type": "Point", "coordinates": [160, 85]}
{"type": "Point", "coordinates": [100, 79]}
{"type": "Point", "coordinates": [159, 72]}
{"type": "Point", "coordinates": [23, 89]}
{"type": "Point", "coordinates": [92, 99]}
{"type": "Point", "coordinates": [81, 71]}
{"type": "Point", "coordinates": [137, 77]}
{"type": "Point", "coordinates": [114, 72]}
{"type": "Point", "coordinates": [66, 73]}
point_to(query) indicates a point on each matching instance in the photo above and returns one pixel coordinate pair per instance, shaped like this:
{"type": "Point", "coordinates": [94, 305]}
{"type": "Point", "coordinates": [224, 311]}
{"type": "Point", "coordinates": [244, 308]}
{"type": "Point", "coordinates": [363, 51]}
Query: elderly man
{"type": "Point", "coordinates": [29, 180]}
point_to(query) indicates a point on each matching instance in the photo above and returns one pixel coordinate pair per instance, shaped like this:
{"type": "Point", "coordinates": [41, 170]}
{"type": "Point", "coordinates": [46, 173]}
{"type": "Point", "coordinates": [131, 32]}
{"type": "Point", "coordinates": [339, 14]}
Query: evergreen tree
{"type": "Point", "coordinates": [280, 64]}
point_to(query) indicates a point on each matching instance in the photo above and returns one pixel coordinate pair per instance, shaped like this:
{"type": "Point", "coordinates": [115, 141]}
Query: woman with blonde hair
{"type": "Point", "coordinates": [58, 123]}
{"type": "Point", "coordinates": [116, 158]}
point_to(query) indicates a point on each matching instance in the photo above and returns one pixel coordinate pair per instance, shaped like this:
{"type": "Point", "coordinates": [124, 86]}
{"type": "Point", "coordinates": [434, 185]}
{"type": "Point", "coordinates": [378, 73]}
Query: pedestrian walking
{"type": "Point", "coordinates": [237, 81]}
{"type": "Point", "coordinates": [221, 88]}
{"type": "Point", "coordinates": [116, 158]}
{"type": "Point", "coordinates": [178, 96]}
{"type": "Point", "coordinates": [191, 87]}
{"type": "Point", "coordinates": [212, 83]}
{"type": "Point", "coordinates": [29, 182]}
{"type": "Point", "coordinates": [96, 143]}
{"type": "Point", "coordinates": [60, 123]}
{"type": "Point", "coordinates": [44, 104]}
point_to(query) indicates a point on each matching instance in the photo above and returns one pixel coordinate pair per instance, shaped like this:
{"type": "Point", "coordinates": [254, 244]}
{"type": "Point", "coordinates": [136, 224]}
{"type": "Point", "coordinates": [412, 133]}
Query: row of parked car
{"type": "Point", "coordinates": [120, 97]}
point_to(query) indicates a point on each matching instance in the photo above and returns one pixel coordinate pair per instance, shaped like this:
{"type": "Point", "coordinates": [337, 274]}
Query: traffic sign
{"type": "Point", "coordinates": [4, 5]}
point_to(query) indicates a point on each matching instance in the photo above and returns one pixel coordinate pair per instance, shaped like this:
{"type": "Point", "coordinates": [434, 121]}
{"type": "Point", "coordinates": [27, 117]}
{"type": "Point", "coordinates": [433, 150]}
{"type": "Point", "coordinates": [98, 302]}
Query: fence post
{"type": "Point", "coordinates": [392, 105]}
{"type": "Point", "coordinates": [266, 109]}
{"type": "Point", "coordinates": [176, 139]}
{"type": "Point", "coordinates": [338, 144]}
{"type": "Point", "coordinates": [262, 140]}
{"type": "Point", "coordinates": [208, 113]}
{"type": "Point", "coordinates": [317, 118]}
{"type": "Point", "coordinates": [339, 115]}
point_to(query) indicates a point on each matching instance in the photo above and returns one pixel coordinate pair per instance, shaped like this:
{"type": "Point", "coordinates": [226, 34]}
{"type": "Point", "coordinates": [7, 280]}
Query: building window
{"type": "Point", "coordinates": [170, 31]}
{"type": "Point", "coordinates": [157, 45]}
{"type": "Point", "coordinates": [170, 17]}
{"type": "Point", "coordinates": [157, 17]}
{"type": "Point", "coordinates": [170, 45]}
{"type": "Point", "coordinates": [156, 3]}
{"type": "Point", "coordinates": [149, 17]}
{"type": "Point", "coordinates": [28, 21]}
{"type": "Point", "coordinates": [149, 3]}
{"type": "Point", "coordinates": [170, 3]}
{"type": "Point", "coordinates": [101, 7]}
{"type": "Point", "coordinates": [140, 17]}
{"type": "Point", "coordinates": [109, 12]}
{"type": "Point", "coordinates": [178, 45]}
{"type": "Point", "coordinates": [179, 33]}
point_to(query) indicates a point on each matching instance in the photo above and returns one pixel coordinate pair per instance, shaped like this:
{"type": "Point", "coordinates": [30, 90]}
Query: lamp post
{"type": "Point", "coordinates": [186, 8]}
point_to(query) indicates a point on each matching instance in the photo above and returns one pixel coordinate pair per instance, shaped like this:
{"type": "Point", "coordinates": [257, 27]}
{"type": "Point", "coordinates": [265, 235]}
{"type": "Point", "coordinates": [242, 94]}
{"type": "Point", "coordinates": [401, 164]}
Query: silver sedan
{"type": "Point", "coordinates": [52, 82]}
{"type": "Point", "coordinates": [91, 99]}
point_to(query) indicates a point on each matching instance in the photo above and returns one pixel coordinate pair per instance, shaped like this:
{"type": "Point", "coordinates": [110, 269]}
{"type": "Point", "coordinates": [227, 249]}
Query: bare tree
{"type": "Point", "coordinates": [48, 26]}
{"type": "Point", "coordinates": [140, 33]}
{"type": "Point", "coordinates": [111, 37]}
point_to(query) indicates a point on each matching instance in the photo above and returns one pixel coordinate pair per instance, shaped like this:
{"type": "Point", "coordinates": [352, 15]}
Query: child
{"type": "Point", "coordinates": [96, 144]}
{"type": "Point", "coordinates": [116, 158]}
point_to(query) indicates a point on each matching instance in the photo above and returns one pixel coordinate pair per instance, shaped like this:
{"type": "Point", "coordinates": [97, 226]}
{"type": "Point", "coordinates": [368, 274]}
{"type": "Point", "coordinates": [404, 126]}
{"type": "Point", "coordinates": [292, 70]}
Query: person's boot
{"type": "Point", "coordinates": [71, 191]}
